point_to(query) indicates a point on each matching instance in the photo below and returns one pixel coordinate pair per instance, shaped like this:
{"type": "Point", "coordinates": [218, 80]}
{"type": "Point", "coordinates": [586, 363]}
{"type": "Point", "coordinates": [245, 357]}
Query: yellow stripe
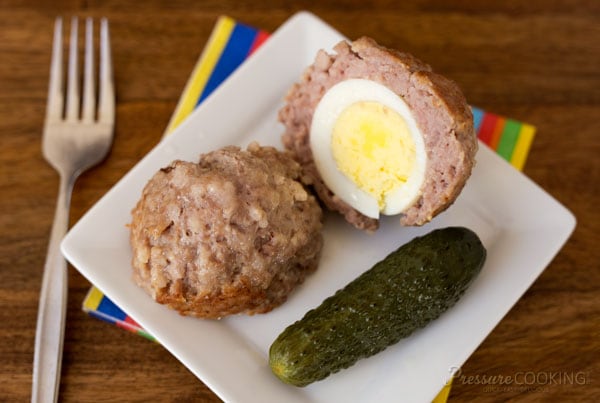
{"type": "Point", "coordinates": [521, 150]}
{"type": "Point", "coordinates": [202, 71]}
{"type": "Point", "coordinates": [442, 397]}
{"type": "Point", "coordinates": [92, 299]}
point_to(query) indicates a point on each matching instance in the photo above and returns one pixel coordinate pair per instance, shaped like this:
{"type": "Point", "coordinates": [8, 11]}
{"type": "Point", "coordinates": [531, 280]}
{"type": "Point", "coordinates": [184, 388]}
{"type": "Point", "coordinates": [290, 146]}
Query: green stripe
{"type": "Point", "coordinates": [145, 334]}
{"type": "Point", "coordinates": [508, 139]}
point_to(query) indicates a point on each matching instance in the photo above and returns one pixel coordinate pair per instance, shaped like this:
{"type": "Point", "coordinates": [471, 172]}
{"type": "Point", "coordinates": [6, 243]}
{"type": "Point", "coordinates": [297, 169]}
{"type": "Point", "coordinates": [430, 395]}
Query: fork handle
{"type": "Point", "coordinates": [52, 306]}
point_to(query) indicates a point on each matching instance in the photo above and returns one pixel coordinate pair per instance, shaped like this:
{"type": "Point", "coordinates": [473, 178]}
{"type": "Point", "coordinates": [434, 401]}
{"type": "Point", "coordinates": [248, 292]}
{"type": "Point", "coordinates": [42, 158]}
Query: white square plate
{"type": "Point", "coordinates": [521, 226]}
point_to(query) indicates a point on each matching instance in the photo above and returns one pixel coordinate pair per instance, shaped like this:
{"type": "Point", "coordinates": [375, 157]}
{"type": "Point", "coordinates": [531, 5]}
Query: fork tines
{"type": "Point", "coordinates": [76, 110]}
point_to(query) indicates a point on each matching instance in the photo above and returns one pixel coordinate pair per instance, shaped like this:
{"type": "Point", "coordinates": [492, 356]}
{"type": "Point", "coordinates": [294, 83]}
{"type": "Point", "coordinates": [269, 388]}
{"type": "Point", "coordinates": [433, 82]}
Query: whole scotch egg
{"type": "Point", "coordinates": [378, 132]}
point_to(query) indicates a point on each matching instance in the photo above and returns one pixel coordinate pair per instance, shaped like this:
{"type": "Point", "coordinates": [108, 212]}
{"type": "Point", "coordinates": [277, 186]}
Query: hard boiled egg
{"type": "Point", "coordinates": [368, 147]}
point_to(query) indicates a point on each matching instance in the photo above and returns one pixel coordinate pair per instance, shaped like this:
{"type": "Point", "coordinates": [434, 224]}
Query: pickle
{"type": "Point", "coordinates": [404, 292]}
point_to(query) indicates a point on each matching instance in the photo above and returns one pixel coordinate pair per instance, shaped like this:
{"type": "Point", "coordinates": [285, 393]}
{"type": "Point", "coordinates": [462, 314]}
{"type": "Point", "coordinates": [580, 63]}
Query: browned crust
{"type": "Point", "coordinates": [234, 233]}
{"type": "Point", "coordinates": [440, 108]}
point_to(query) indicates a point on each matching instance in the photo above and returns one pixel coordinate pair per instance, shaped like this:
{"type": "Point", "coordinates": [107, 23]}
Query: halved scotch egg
{"type": "Point", "coordinates": [378, 132]}
{"type": "Point", "coordinates": [368, 147]}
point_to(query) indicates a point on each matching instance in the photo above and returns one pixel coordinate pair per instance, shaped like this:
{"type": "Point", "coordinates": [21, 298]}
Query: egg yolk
{"type": "Point", "coordinates": [373, 147]}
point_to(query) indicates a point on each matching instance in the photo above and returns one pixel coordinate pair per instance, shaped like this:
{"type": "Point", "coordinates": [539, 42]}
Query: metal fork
{"type": "Point", "coordinates": [74, 140]}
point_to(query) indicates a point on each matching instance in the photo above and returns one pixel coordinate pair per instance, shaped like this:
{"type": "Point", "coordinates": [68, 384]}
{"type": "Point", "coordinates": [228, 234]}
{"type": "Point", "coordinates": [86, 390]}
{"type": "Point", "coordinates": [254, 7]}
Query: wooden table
{"type": "Point", "coordinates": [535, 61]}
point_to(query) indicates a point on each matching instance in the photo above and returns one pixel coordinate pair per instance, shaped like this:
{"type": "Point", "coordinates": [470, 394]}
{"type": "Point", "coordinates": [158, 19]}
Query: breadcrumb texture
{"type": "Point", "coordinates": [436, 102]}
{"type": "Point", "coordinates": [234, 233]}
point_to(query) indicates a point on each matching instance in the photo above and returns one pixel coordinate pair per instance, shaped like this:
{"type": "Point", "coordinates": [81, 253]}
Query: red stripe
{"type": "Point", "coordinates": [261, 37]}
{"type": "Point", "coordinates": [486, 131]}
{"type": "Point", "coordinates": [132, 322]}
{"type": "Point", "coordinates": [497, 133]}
{"type": "Point", "coordinates": [127, 326]}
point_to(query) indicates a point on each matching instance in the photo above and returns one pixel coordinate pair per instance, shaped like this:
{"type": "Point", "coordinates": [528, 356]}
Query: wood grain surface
{"type": "Point", "coordinates": [537, 61]}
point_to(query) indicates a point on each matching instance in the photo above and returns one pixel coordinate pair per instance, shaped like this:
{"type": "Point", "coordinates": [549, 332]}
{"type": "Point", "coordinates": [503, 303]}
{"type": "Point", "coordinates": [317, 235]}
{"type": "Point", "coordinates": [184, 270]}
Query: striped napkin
{"type": "Point", "coordinates": [231, 43]}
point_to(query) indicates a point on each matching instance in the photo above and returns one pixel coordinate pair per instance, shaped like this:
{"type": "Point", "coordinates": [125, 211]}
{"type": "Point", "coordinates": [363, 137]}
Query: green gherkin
{"type": "Point", "coordinates": [404, 292]}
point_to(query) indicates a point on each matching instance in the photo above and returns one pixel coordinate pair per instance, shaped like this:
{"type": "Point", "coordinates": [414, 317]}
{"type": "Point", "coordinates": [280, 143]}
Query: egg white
{"type": "Point", "coordinates": [326, 114]}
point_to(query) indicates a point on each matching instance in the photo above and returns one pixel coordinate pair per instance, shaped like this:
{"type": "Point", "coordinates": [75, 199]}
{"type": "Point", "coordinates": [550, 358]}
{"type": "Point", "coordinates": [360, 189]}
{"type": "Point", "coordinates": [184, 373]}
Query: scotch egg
{"type": "Point", "coordinates": [378, 132]}
{"type": "Point", "coordinates": [368, 147]}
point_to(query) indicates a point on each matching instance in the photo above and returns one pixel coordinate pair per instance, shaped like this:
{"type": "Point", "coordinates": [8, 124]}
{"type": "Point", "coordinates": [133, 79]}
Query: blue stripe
{"type": "Point", "coordinates": [108, 307]}
{"type": "Point", "coordinates": [235, 52]}
{"type": "Point", "coordinates": [477, 118]}
{"type": "Point", "coordinates": [101, 316]}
